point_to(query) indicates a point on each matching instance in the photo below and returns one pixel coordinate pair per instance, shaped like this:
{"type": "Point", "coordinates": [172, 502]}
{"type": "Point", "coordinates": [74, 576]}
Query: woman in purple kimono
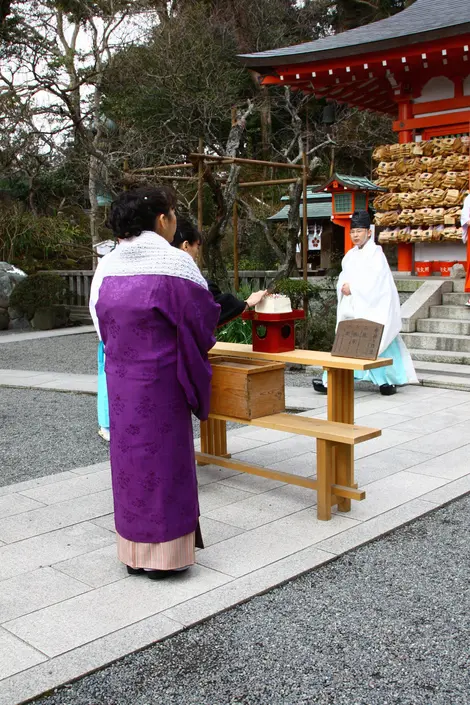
{"type": "Point", "coordinates": [156, 318]}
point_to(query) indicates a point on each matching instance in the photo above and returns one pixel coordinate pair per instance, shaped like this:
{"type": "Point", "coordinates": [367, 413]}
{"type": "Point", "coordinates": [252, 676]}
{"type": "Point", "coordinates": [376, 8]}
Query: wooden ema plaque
{"type": "Point", "coordinates": [358, 338]}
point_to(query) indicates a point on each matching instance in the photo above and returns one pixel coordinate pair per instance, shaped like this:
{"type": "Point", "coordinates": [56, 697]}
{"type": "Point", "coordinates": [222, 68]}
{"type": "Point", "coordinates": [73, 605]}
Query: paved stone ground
{"type": "Point", "coordinates": [386, 624]}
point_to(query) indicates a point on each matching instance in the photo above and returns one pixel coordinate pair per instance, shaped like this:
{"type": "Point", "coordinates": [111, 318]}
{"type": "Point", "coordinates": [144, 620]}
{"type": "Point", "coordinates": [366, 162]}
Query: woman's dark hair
{"type": "Point", "coordinates": [185, 231]}
{"type": "Point", "coordinates": [134, 211]}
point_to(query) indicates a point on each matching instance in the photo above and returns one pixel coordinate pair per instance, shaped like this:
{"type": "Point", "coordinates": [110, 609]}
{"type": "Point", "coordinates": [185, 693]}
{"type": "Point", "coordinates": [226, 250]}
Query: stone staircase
{"type": "Point", "coordinates": [440, 346]}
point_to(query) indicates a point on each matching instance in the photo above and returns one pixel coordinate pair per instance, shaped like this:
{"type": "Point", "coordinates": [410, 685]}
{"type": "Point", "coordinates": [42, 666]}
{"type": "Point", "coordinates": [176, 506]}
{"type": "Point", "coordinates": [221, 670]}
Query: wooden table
{"type": "Point", "coordinates": [340, 406]}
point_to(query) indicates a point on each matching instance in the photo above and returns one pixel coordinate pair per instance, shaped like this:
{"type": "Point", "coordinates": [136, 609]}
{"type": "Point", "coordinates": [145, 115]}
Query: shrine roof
{"type": "Point", "coordinates": [425, 20]}
{"type": "Point", "coordinates": [316, 210]}
{"type": "Point", "coordinates": [313, 194]}
{"type": "Point", "coordinates": [354, 183]}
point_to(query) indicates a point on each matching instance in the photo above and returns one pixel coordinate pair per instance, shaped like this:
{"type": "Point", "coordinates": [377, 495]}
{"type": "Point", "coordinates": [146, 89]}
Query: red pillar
{"type": "Point", "coordinates": [346, 224]}
{"type": "Point", "coordinates": [467, 281]}
{"type": "Point", "coordinates": [405, 250]}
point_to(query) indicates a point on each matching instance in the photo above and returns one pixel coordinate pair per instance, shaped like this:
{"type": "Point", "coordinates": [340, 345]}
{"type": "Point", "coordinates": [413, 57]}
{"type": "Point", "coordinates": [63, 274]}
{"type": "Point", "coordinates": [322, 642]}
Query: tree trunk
{"type": "Point", "coordinates": [293, 229]}
{"type": "Point", "coordinates": [93, 172]}
{"type": "Point", "coordinates": [225, 199]}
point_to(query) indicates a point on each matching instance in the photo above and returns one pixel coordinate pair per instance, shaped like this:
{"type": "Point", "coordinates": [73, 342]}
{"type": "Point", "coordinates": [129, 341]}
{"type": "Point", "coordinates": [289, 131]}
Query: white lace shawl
{"type": "Point", "coordinates": [146, 254]}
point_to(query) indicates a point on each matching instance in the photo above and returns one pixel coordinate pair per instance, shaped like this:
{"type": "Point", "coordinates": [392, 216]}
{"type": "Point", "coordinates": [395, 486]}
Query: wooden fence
{"type": "Point", "coordinates": [79, 283]}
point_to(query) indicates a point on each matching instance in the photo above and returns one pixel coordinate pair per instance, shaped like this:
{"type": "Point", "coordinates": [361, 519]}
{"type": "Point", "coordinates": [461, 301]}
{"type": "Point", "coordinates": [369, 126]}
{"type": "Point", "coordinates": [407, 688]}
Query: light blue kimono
{"type": "Point", "coordinates": [103, 409]}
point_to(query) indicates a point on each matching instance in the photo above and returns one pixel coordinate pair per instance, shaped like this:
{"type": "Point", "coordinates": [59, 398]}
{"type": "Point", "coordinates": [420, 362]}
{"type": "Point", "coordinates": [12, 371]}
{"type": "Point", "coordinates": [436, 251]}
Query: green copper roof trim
{"type": "Point", "coordinates": [355, 183]}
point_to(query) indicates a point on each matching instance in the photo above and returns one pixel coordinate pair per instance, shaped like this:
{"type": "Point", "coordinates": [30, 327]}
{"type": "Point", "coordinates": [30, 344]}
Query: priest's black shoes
{"type": "Point", "coordinates": [387, 389]}
{"type": "Point", "coordinates": [319, 386]}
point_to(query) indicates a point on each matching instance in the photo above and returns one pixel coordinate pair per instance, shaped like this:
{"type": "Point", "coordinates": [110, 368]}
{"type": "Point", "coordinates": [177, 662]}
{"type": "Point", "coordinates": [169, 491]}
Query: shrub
{"type": "Point", "coordinates": [296, 290]}
{"type": "Point", "coordinates": [40, 242]}
{"type": "Point", "coordinates": [38, 291]}
{"type": "Point", "coordinates": [237, 330]}
{"type": "Point", "coordinates": [318, 331]}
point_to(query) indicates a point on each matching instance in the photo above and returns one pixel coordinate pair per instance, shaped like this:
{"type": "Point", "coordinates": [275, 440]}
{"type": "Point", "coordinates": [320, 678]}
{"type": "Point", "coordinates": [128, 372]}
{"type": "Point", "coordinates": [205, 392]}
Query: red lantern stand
{"type": "Point", "coordinates": [349, 194]}
{"type": "Point", "coordinates": [273, 332]}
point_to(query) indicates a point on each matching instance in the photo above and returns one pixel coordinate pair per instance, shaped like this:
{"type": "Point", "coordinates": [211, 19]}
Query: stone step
{"type": "Point", "coordinates": [437, 341]}
{"type": "Point", "coordinates": [444, 356]}
{"type": "Point", "coordinates": [455, 299]}
{"type": "Point", "coordinates": [454, 313]}
{"type": "Point", "coordinates": [442, 368]}
{"type": "Point", "coordinates": [445, 382]}
{"type": "Point", "coordinates": [443, 326]}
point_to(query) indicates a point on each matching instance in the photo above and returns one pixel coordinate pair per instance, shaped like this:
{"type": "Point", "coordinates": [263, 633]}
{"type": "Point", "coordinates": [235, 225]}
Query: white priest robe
{"type": "Point", "coordinates": [374, 296]}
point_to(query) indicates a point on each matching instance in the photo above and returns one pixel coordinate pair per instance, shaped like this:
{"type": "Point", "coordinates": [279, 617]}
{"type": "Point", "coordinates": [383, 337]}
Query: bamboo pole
{"type": "Point", "coordinates": [168, 177]}
{"type": "Point", "coordinates": [304, 218]}
{"type": "Point", "coordinates": [200, 185]}
{"type": "Point", "coordinates": [238, 160]}
{"type": "Point", "coordinates": [236, 278]}
{"type": "Point", "coordinates": [272, 182]}
{"type": "Point", "coordinates": [305, 226]}
{"type": "Point", "coordinates": [125, 168]}
{"type": "Point", "coordinates": [164, 167]}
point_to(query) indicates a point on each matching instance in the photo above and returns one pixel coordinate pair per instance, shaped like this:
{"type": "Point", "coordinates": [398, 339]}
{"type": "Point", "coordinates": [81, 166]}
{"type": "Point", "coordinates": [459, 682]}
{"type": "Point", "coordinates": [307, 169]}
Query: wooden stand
{"type": "Point", "coordinates": [214, 438]}
{"type": "Point", "coordinates": [335, 436]}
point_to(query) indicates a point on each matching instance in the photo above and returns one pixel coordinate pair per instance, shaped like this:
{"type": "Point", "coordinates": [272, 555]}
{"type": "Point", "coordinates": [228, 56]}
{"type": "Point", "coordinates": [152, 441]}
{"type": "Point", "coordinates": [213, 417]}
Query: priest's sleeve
{"type": "Point", "coordinates": [195, 337]}
{"type": "Point", "coordinates": [230, 306]}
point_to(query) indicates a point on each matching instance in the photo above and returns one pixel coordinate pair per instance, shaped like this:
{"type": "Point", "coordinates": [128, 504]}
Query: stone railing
{"type": "Point", "coordinates": [79, 282]}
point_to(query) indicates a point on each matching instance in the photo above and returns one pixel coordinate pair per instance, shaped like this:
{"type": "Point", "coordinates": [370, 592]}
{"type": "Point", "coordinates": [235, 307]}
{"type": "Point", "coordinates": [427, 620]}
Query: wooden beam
{"type": "Point", "coordinates": [288, 478]}
{"type": "Point", "coordinates": [273, 182]}
{"type": "Point", "coordinates": [168, 177]}
{"type": "Point", "coordinates": [164, 167]}
{"type": "Point", "coordinates": [462, 116]}
{"type": "Point", "coordinates": [238, 160]}
{"type": "Point", "coordinates": [334, 431]}
{"type": "Point", "coordinates": [313, 358]}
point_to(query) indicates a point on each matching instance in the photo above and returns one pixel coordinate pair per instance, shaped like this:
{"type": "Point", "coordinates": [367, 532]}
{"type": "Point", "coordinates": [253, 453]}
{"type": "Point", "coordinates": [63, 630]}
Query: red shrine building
{"type": "Point", "coordinates": [414, 66]}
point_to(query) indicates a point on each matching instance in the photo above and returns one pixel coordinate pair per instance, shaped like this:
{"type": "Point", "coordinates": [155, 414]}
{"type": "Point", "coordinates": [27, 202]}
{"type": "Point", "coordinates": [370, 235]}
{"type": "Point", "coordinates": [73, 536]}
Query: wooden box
{"type": "Point", "coordinates": [246, 389]}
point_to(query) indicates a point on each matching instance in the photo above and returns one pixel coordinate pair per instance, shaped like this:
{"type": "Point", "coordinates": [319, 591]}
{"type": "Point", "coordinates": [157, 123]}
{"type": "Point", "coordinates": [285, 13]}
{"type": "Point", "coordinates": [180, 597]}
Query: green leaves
{"type": "Point", "coordinates": [38, 291]}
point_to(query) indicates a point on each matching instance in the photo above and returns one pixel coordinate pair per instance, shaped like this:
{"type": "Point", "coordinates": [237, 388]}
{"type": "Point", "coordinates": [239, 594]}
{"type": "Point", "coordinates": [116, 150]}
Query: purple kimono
{"type": "Point", "coordinates": [157, 330]}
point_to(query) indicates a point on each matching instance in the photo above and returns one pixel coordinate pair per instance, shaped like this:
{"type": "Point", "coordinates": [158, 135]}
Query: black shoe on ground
{"type": "Point", "coordinates": [387, 390]}
{"type": "Point", "coordinates": [319, 386]}
{"type": "Point", "coordinates": [154, 574]}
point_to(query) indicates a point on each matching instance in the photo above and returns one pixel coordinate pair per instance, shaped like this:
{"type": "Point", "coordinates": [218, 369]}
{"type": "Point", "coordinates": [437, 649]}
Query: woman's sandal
{"type": "Point", "coordinates": [155, 574]}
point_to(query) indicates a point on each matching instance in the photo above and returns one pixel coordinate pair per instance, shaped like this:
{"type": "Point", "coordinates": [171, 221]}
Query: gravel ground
{"type": "Point", "coordinates": [68, 353]}
{"type": "Point", "coordinates": [77, 354]}
{"type": "Point", "coordinates": [386, 624]}
{"type": "Point", "coordinates": [42, 433]}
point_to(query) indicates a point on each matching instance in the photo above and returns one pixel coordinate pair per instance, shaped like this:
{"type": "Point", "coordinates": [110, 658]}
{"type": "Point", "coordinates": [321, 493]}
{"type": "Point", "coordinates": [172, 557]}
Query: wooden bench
{"type": "Point", "coordinates": [330, 436]}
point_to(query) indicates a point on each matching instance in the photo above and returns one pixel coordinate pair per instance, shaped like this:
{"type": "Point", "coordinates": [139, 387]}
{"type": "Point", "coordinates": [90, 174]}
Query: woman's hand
{"type": "Point", "coordinates": [255, 298]}
{"type": "Point", "coordinates": [345, 290]}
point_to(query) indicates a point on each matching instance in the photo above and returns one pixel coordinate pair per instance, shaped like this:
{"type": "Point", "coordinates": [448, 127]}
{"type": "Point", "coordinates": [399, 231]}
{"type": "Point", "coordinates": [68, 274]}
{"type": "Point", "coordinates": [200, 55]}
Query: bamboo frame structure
{"type": "Point", "coordinates": [198, 159]}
